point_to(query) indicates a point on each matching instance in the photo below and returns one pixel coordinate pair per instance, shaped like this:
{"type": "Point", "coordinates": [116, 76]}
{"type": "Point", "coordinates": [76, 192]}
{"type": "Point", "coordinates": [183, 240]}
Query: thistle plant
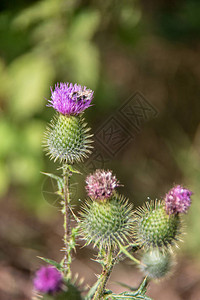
{"type": "Point", "coordinates": [107, 220]}
{"type": "Point", "coordinates": [67, 140]}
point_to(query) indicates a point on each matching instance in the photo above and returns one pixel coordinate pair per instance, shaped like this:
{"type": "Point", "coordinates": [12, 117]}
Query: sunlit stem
{"type": "Point", "coordinates": [67, 217]}
{"type": "Point", "coordinates": [107, 269]}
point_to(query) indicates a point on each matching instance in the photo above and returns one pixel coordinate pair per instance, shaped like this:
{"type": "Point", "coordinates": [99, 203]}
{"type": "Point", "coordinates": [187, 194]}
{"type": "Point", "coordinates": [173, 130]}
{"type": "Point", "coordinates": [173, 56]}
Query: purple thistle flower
{"type": "Point", "coordinates": [69, 99]}
{"type": "Point", "coordinates": [177, 200]}
{"type": "Point", "coordinates": [101, 184]}
{"type": "Point", "coordinates": [48, 280]}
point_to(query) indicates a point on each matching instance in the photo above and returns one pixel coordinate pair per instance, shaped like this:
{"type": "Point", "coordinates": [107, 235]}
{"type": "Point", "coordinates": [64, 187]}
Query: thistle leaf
{"type": "Point", "coordinates": [73, 170]}
{"type": "Point", "coordinates": [128, 296]}
{"type": "Point", "coordinates": [123, 250]}
{"type": "Point", "coordinates": [60, 181]}
{"type": "Point", "coordinates": [135, 294]}
{"type": "Point", "coordinates": [92, 290]}
{"type": "Point", "coordinates": [52, 262]}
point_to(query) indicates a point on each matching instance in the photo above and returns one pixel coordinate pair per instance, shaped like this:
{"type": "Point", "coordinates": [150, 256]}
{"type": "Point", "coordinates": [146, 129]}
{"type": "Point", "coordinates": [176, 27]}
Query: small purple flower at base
{"type": "Point", "coordinates": [48, 280]}
{"type": "Point", "coordinates": [69, 99]}
{"type": "Point", "coordinates": [177, 200]}
{"type": "Point", "coordinates": [101, 184]}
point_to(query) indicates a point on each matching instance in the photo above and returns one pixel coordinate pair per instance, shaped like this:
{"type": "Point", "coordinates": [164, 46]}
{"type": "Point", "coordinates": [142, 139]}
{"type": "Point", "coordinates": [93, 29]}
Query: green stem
{"type": "Point", "coordinates": [67, 217]}
{"type": "Point", "coordinates": [107, 269]}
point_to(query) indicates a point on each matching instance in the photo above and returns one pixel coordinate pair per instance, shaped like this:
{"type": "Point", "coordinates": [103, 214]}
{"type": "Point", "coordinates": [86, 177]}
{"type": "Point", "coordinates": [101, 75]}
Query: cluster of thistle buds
{"type": "Point", "coordinates": [158, 228]}
{"type": "Point", "coordinates": [107, 220]}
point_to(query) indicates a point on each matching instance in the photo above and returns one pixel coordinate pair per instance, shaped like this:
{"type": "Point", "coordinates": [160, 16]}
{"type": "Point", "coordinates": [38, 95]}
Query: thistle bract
{"type": "Point", "coordinates": [69, 99]}
{"type": "Point", "coordinates": [177, 200]}
{"type": "Point", "coordinates": [105, 223]}
{"type": "Point", "coordinates": [70, 292]}
{"type": "Point", "coordinates": [67, 139]}
{"type": "Point", "coordinates": [154, 227]}
{"type": "Point", "coordinates": [156, 264]}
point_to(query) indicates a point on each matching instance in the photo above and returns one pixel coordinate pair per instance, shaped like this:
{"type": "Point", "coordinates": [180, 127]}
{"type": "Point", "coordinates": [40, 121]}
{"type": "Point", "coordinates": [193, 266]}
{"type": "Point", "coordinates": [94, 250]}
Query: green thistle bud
{"type": "Point", "coordinates": [106, 222]}
{"type": "Point", "coordinates": [154, 227]}
{"type": "Point", "coordinates": [67, 139]}
{"type": "Point", "coordinates": [70, 292]}
{"type": "Point", "coordinates": [156, 264]}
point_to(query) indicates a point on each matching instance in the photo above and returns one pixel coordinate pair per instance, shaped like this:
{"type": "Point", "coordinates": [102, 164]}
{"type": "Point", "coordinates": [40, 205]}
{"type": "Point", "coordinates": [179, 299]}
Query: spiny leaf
{"type": "Point", "coordinates": [127, 296]}
{"type": "Point", "coordinates": [75, 231]}
{"type": "Point", "coordinates": [92, 290]}
{"type": "Point", "coordinates": [52, 262]}
{"type": "Point", "coordinates": [72, 241]}
{"type": "Point", "coordinates": [134, 294]}
{"type": "Point", "coordinates": [73, 170]}
{"type": "Point", "coordinates": [60, 181]}
{"type": "Point", "coordinates": [140, 297]}
{"type": "Point", "coordinates": [143, 286]}
{"type": "Point", "coordinates": [123, 250]}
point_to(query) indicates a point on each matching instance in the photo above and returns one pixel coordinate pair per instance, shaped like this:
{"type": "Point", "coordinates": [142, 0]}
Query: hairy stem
{"type": "Point", "coordinates": [67, 217]}
{"type": "Point", "coordinates": [107, 269]}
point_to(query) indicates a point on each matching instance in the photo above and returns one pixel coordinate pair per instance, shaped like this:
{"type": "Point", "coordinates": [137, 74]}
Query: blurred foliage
{"type": "Point", "coordinates": [115, 48]}
{"type": "Point", "coordinates": [44, 42]}
{"type": "Point", "coordinates": [181, 23]}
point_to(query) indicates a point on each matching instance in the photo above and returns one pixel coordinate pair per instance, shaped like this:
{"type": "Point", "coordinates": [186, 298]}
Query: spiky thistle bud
{"type": "Point", "coordinates": [154, 227]}
{"type": "Point", "coordinates": [177, 200]}
{"type": "Point", "coordinates": [156, 264]}
{"type": "Point", "coordinates": [48, 280]}
{"type": "Point", "coordinates": [103, 223]}
{"type": "Point", "coordinates": [101, 184]}
{"type": "Point", "coordinates": [67, 138]}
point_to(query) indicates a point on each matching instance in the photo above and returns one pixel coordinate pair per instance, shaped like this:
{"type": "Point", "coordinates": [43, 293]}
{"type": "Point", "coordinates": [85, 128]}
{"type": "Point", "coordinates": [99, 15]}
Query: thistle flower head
{"type": "Point", "coordinates": [177, 200]}
{"type": "Point", "coordinates": [69, 99]}
{"type": "Point", "coordinates": [48, 280]}
{"type": "Point", "coordinates": [103, 223]}
{"type": "Point", "coordinates": [101, 184]}
{"type": "Point", "coordinates": [154, 228]}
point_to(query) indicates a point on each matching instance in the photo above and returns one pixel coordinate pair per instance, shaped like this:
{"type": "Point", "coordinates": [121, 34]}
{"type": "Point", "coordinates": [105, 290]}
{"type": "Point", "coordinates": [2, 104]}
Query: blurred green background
{"type": "Point", "coordinates": [115, 48]}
